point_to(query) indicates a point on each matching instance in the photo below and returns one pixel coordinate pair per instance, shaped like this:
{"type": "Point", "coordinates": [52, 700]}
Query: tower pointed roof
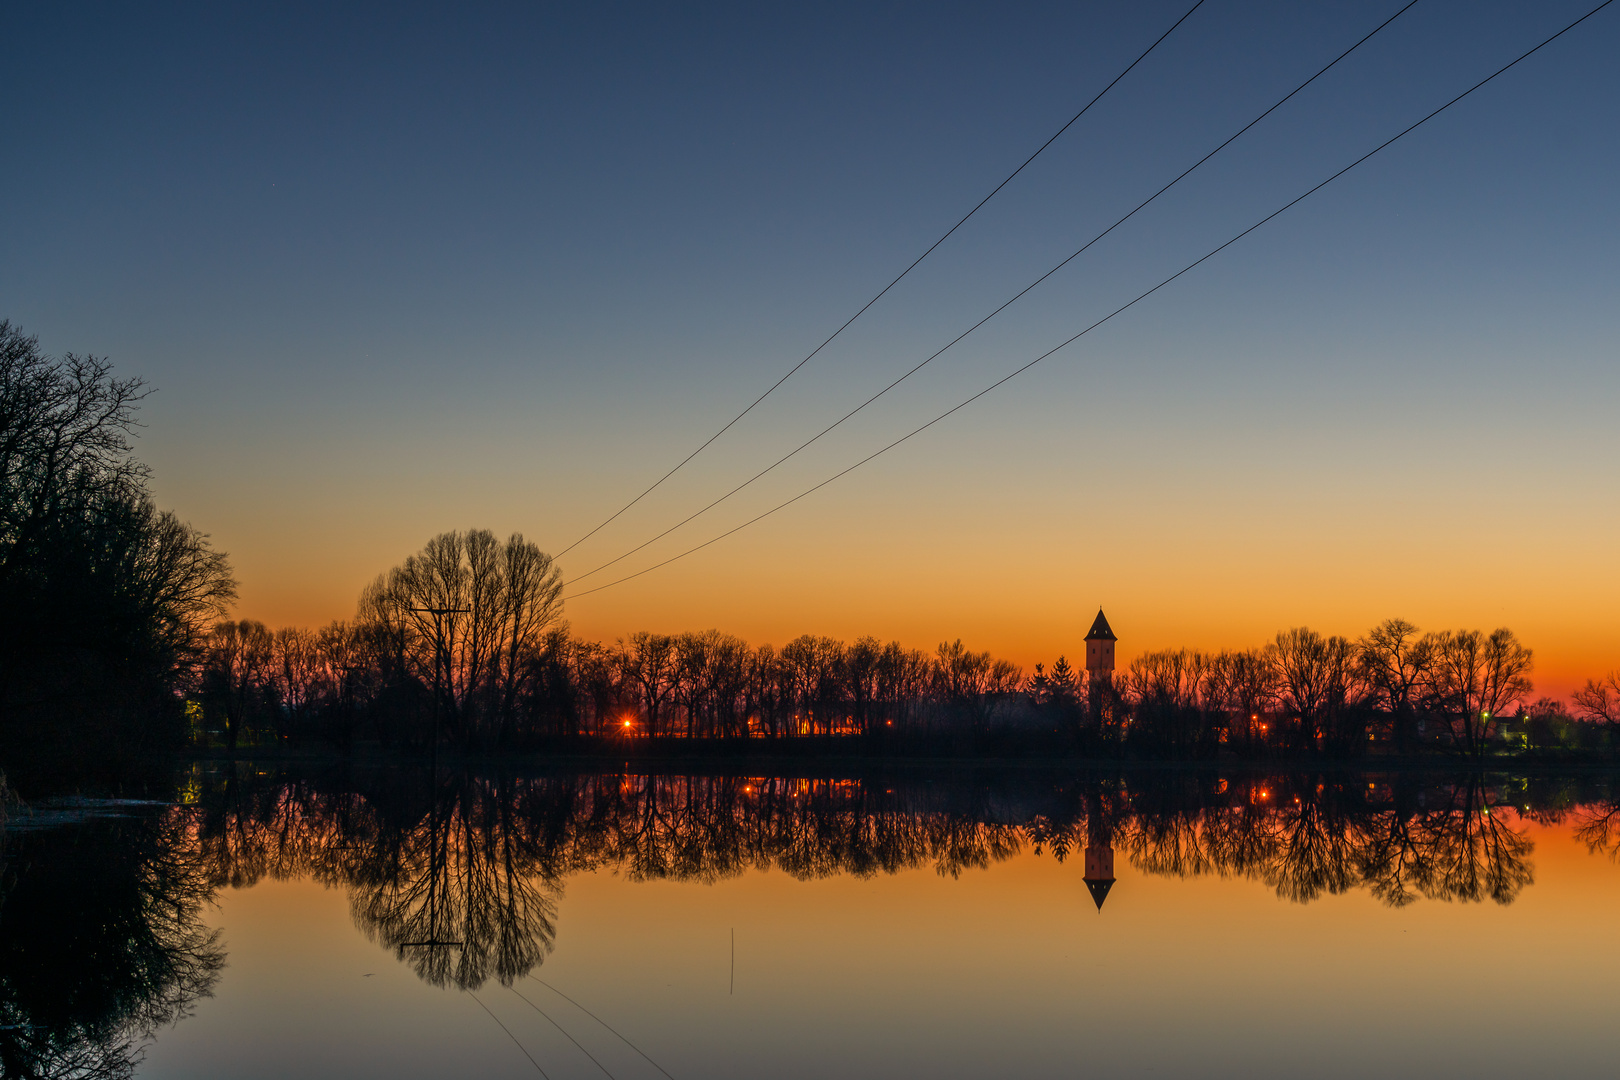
{"type": "Point", "coordinates": [1100, 630]}
{"type": "Point", "coordinates": [1099, 890]}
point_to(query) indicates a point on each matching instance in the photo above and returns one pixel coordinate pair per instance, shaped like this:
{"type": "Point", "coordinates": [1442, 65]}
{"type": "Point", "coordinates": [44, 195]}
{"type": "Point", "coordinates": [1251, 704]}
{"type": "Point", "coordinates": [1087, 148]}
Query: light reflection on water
{"type": "Point", "coordinates": [1160, 923]}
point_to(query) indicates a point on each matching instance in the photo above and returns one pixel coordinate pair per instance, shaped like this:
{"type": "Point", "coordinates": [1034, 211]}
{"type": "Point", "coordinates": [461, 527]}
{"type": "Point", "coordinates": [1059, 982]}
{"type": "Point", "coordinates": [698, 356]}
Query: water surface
{"type": "Point", "coordinates": [401, 924]}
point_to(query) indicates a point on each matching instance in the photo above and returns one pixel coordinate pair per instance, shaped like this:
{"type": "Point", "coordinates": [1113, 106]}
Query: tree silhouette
{"type": "Point", "coordinates": [1397, 663]}
{"type": "Point", "coordinates": [1476, 678]}
{"type": "Point", "coordinates": [103, 597]}
{"type": "Point", "coordinates": [101, 945]}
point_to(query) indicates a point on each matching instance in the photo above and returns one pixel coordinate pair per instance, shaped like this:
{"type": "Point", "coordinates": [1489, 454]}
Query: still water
{"type": "Point", "coordinates": [402, 924]}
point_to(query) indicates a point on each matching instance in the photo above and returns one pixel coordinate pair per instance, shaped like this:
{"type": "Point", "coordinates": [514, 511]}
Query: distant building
{"type": "Point", "coordinates": [1099, 877]}
{"type": "Point", "coordinates": [1100, 648]}
{"type": "Point", "coordinates": [1099, 869]}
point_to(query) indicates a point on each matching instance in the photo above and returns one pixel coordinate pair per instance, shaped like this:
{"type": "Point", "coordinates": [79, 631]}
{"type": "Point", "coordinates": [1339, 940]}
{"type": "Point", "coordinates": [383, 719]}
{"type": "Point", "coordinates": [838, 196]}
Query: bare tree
{"type": "Point", "coordinates": [65, 429]}
{"type": "Point", "coordinates": [1476, 677]}
{"type": "Point", "coordinates": [469, 614]}
{"type": "Point", "coordinates": [648, 661]}
{"type": "Point", "coordinates": [1317, 684]}
{"type": "Point", "coordinates": [1244, 685]}
{"type": "Point", "coordinates": [603, 684]}
{"type": "Point", "coordinates": [1165, 689]}
{"type": "Point", "coordinates": [239, 670]}
{"type": "Point", "coordinates": [693, 678]}
{"type": "Point", "coordinates": [298, 672]}
{"type": "Point", "coordinates": [815, 665]}
{"type": "Point", "coordinates": [861, 678]}
{"type": "Point", "coordinates": [902, 682]}
{"type": "Point", "coordinates": [1396, 662]}
{"type": "Point", "coordinates": [767, 697]}
{"type": "Point", "coordinates": [104, 599]}
{"type": "Point", "coordinates": [965, 681]}
{"type": "Point", "coordinates": [1599, 700]}
{"type": "Point", "coordinates": [533, 607]}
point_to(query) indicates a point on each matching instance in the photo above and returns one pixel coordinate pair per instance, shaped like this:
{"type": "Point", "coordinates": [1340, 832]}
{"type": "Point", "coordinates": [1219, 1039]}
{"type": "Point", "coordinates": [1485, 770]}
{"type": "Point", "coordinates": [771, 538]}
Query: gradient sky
{"type": "Point", "coordinates": [395, 270]}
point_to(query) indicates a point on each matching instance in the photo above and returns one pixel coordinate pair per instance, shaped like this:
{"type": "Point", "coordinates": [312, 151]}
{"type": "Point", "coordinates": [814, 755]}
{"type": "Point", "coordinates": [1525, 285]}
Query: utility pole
{"type": "Point", "coordinates": [346, 702]}
{"type": "Point", "coordinates": [441, 655]}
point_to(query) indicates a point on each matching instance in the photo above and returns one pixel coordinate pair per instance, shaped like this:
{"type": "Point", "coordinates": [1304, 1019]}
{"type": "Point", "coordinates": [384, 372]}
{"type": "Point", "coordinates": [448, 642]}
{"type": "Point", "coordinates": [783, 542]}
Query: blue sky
{"type": "Point", "coordinates": [396, 269]}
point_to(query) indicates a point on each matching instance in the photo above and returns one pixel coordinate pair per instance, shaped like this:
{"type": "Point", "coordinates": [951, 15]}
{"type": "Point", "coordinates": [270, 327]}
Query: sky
{"type": "Point", "coordinates": [398, 269]}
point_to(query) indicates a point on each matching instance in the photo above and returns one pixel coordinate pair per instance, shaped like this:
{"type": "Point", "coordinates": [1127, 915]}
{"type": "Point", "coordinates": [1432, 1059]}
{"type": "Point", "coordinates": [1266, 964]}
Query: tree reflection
{"type": "Point", "coordinates": [101, 945]}
{"type": "Point", "coordinates": [463, 896]}
{"type": "Point", "coordinates": [1309, 837]}
{"type": "Point", "coordinates": [1314, 849]}
{"type": "Point", "coordinates": [1397, 860]}
{"type": "Point", "coordinates": [1478, 852]}
{"type": "Point", "coordinates": [1598, 827]}
{"type": "Point", "coordinates": [460, 875]}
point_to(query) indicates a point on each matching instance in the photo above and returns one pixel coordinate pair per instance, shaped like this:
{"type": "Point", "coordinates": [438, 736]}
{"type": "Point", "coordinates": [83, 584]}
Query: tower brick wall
{"type": "Point", "coordinates": [1100, 646]}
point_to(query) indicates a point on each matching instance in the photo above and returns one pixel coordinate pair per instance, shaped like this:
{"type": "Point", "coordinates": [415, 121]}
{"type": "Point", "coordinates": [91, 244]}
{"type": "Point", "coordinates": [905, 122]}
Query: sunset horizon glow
{"type": "Point", "coordinates": [503, 269]}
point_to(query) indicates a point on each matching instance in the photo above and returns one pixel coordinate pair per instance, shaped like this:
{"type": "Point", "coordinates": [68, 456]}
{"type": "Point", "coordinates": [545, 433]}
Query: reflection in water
{"type": "Point", "coordinates": [1598, 827]}
{"type": "Point", "coordinates": [461, 877]}
{"type": "Point", "coordinates": [460, 874]}
{"type": "Point", "coordinates": [101, 944]}
{"type": "Point", "coordinates": [464, 896]}
{"type": "Point", "coordinates": [1099, 847]}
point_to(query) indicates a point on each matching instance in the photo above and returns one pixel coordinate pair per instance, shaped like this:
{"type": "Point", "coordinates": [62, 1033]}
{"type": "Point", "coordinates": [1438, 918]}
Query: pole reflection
{"type": "Point", "coordinates": [460, 874]}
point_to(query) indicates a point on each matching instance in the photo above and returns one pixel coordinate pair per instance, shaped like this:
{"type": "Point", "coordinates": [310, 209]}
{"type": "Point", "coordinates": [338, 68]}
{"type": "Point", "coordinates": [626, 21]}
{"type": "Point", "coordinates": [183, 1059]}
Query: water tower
{"type": "Point", "coordinates": [1100, 649]}
{"type": "Point", "coordinates": [1099, 877]}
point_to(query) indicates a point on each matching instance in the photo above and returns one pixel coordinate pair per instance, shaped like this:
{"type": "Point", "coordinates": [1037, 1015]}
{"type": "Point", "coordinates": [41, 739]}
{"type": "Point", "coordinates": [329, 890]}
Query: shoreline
{"type": "Point", "coordinates": [704, 761]}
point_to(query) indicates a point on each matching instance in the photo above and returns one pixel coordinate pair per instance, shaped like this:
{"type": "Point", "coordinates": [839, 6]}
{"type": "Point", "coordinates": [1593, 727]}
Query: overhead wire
{"type": "Point", "coordinates": [898, 278]}
{"type": "Point", "coordinates": [1014, 299]}
{"type": "Point", "coordinates": [605, 1024]}
{"type": "Point", "coordinates": [509, 1034]}
{"type": "Point", "coordinates": [1117, 311]}
{"type": "Point", "coordinates": [524, 998]}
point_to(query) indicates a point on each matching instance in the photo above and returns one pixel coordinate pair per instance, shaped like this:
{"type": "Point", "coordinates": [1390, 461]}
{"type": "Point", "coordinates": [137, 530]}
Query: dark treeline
{"type": "Point", "coordinates": [101, 937]}
{"type": "Point", "coordinates": [111, 640]}
{"type": "Point", "coordinates": [464, 642]}
{"type": "Point", "coordinates": [104, 598]}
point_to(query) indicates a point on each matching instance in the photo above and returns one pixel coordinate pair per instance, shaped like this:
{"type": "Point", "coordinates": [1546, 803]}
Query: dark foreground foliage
{"type": "Point", "coordinates": [103, 597]}
{"type": "Point", "coordinates": [102, 943]}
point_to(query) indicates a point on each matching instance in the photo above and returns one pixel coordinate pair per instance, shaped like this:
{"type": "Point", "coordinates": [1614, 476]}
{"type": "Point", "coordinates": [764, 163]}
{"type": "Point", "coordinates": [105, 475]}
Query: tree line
{"type": "Point", "coordinates": [112, 635]}
{"type": "Point", "coordinates": [465, 639]}
{"type": "Point", "coordinates": [464, 645]}
{"type": "Point", "coordinates": [104, 598]}
{"type": "Point", "coordinates": [1458, 690]}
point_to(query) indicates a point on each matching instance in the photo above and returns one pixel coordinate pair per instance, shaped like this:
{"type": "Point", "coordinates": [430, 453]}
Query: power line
{"type": "Point", "coordinates": [559, 1027]}
{"type": "Point", "coordinates": [509, 1034]}
{"type": "Point", "coordinates": [791, 371]}
{"type": "Point", "coordinates": [605, 1024]}
{"type": "Point", "coordinates": [1015, 298]}
{"type": "Point", "coordinates": [1143, 296]}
